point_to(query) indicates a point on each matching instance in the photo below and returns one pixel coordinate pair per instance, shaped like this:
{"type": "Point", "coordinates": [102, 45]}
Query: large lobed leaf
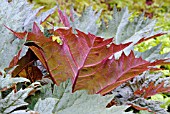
{"type": "Point", "coordinates": [118, 27]}
{"type": "Point", "coordinates": [45, 106]}
{"type": "Point", "coordinates": [85, 59]}
{"type": "Point", "coordinates": [64, 61]}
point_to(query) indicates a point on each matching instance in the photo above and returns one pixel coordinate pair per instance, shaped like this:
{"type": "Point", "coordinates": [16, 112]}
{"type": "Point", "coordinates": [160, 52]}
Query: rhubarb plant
{"type": "Point", "coordinates": [87, 62]}
{"type": "Point", "coordinates": [82, 68]}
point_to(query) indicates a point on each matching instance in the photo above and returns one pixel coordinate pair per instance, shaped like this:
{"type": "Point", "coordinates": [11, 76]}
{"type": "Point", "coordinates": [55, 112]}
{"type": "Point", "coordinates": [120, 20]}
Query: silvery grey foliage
{"type": "Point", "coordinates": [58, 100]}
{"type": "Point", "coordinates": [152, 54]}
{"type": "Point", "coordinates": [87, 21]}
{"type": "Point", "coordinates": [63, 101]}
{"type": "Point", "coordinates": [14, 100]}
{"type": "Point", "coordinates": [45, 106]}
{"type": "Point", "coordinates": [19, 16]}
{"type": "Point", "coordinates": [7, 81]}
{"type": "Point", "coordinates": [124, 31]}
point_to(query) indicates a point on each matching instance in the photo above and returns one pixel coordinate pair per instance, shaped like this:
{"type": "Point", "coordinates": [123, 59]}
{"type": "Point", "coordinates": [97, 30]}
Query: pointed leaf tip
{"type": "Point", "coordinates": [36, 29]}
{"type": "Point", "coordinates": [63, 17]}
{"type": "Point", "coordinates": [19, 35]}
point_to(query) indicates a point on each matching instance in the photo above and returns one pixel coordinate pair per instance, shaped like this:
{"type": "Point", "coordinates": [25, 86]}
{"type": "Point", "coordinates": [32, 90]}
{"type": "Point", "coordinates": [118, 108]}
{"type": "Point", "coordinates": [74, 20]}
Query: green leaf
{"type": "Point", "coordinates": [160, 97]}
{"type": "Point", "coordinates": [80, 102]}
{"type": "Point", "coordinates": [46, 91]}
{"type": "Point", "coordinates": [14, 100]}
{"type": "Point", "coordinates": [157, 97]}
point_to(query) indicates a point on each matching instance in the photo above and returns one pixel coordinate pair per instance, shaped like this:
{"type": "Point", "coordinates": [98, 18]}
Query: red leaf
{"type": "Point", "coordinates": [85, 59]}
{"type": "Point", "coordinates": [152, 90]}
{"type": "Point", "coordinates": [24, 62]}
{"type": "Point", "coordinates": [32, 73]}
{"type": "Point", "coordinates": [65, 61]}
{"type": "Point", "coordinates": [140, 107]}
{"type": "Point", "coordinates": [89, 50]}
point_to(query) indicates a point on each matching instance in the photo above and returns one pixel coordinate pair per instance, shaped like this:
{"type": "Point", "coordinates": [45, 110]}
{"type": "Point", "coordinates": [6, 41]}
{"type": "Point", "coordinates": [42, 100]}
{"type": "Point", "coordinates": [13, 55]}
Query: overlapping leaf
{"type": "Point", "coordinates": [65, 61]}
{"type": "Point", "coordinates": [26, 68]}
{"type": "Point", "coordinates": [25, 61]}
{"type": "Point", "coordinates": [45, 106]}
{"type": "Point", "coordinates": [113, 73]}
{"type": "Point", "coordinates": [118, 27]}
{"type": "Point", "coordinates": [85, 59]}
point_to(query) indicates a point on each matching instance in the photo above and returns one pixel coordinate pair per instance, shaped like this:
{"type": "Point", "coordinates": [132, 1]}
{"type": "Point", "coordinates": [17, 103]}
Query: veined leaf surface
{"type": "Point", "coordinates": [85, 59]}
